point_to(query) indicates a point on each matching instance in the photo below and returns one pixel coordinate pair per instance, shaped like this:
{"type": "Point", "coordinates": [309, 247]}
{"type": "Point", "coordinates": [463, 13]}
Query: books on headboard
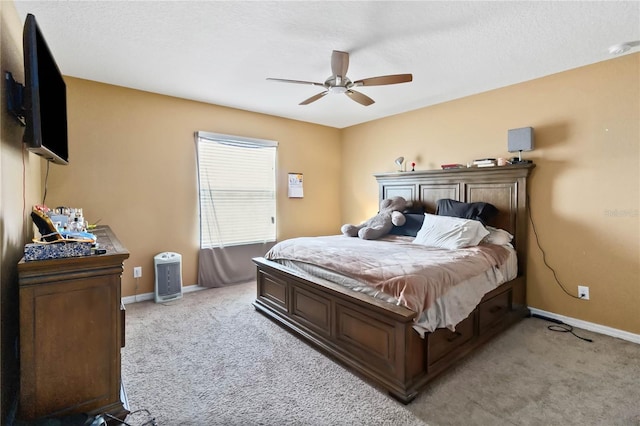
{"type": "Point", "coordinates": [451, 166]}
{"type": "Point", "coordinates": [485, 162]}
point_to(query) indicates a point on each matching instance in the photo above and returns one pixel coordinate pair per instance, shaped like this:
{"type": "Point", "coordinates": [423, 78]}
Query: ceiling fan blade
{"type": "Point", "coordinates": [384, 79]}
{"type": "Point", "coordinates": [313, 98]}
{"type": "Point", "coordinates": [339, 63]}
{"type": "Point", "coordinates": [284, 80]}
{"type": "Point", "coordinates": [359, 97]}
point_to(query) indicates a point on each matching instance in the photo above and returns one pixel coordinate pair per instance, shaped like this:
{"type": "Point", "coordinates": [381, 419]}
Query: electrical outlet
{"type": "Point", "coordinates": [137, 272]}
{"type": "Point", "coordinates": [583, 292]}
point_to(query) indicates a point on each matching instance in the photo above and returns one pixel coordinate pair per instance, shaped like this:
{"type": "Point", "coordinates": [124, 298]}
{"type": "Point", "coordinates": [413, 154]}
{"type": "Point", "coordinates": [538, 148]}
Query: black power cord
{"type": "Point", "coordinates": [151, 422]}
{"type": "Point", "coordinates": [46, 183]}
{"type": "Point", "coordinates": [560, 326]}
{"type": "Point", "coordinates": [566, 328]}
{"type": "Point", "coordinates": [544, 255]}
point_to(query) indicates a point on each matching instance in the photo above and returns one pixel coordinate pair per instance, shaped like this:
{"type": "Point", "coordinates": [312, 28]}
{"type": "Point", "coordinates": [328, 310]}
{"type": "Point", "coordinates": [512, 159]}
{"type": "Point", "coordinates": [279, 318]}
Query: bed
{"type": "Point", "coordinates": [377, 339]}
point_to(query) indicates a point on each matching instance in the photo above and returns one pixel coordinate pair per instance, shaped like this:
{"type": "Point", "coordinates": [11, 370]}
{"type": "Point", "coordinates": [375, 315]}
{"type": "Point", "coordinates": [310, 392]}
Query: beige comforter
{"type": "Point", "coordinates": [415, 275]}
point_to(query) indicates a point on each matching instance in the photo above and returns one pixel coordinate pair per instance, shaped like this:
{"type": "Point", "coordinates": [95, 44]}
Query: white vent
{"type": "Point", "coordinates": [168, 267]}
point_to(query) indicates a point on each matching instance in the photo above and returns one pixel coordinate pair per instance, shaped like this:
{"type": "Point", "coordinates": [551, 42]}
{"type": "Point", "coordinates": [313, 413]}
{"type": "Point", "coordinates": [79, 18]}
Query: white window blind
{"type": "Point", "coordinates": [237, 189]}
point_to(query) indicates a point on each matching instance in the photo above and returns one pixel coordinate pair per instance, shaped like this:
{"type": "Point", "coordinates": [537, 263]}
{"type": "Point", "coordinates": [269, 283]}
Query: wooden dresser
{"type": "Point", "coordinates": [71, 332]}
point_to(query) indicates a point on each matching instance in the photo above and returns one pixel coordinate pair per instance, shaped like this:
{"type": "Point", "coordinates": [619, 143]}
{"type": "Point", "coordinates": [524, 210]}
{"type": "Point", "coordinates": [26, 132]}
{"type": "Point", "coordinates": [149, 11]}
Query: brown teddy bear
{"type": "Point", "coordinates": [390, 214]}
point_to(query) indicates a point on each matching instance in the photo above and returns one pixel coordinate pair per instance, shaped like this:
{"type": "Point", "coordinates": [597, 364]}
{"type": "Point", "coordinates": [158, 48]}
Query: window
{"type": "Point", "coordinates": [237, 190]}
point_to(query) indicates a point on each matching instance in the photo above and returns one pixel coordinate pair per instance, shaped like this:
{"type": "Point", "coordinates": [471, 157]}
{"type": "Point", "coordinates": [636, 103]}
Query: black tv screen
{"type": "Point", "coordinates": [45, 100]}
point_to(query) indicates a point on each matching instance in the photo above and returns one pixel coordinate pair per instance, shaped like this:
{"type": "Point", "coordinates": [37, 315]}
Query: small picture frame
{"type": "Point", "coordinates": [296, 189]}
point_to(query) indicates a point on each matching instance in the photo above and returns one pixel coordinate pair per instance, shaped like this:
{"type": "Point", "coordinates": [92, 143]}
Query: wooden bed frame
{"type": "Point", "coordinates": [375, 339]}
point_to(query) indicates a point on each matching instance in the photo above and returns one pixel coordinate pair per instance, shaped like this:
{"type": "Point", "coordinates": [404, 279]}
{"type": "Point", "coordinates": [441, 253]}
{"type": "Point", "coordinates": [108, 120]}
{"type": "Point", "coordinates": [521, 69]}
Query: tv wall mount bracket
{"type": "Point", "coordinates": [15, 98]}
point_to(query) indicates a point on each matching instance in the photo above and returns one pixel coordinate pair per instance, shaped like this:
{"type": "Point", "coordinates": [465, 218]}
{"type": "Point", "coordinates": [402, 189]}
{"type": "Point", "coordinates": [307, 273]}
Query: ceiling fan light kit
{"type": "Point", "coordinates": [339, 83]}
{"type": "Point", "coordinates": [337, 90]}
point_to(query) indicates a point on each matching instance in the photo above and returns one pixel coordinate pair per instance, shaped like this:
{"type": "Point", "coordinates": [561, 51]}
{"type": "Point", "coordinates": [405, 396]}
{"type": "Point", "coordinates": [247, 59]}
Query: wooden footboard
{"type": "Point", "coordinates": [373, 338]}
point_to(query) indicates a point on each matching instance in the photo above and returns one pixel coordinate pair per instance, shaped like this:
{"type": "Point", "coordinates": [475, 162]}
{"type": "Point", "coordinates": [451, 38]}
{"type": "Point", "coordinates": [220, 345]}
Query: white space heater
{"type": "Point", "coordinates": [168, 268]}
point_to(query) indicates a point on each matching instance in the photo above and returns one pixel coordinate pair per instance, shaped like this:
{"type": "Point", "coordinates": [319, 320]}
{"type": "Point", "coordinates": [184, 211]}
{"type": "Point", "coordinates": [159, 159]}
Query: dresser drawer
{"type": "Point", "coordinates": [443, 341]}
{"type": "Point", "coordinates": [493, 310]}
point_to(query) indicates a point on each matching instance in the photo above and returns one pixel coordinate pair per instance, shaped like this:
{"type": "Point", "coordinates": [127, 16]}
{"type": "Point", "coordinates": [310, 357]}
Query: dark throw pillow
{"type": "Point", "coordinates": [482, 212]}
{"type": "Point", "coordinates": [414, 208]}
{"type": "Point", "coordinates": [411, 226]}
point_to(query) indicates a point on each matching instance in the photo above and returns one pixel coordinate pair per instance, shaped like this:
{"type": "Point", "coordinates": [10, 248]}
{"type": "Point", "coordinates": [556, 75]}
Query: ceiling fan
{"type": "Point", "coordinates": [338, 82]}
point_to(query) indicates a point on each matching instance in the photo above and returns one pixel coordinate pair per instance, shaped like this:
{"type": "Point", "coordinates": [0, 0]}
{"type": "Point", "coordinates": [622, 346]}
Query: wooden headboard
{"type": "Point", "coordinates": [505, 187]}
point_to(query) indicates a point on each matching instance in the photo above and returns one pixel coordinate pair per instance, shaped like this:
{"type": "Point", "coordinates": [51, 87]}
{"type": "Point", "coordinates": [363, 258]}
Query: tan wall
{"type": "Point", "coordinates": [584, 191]}
{"type": "Point", "coordinates": [17, 195]}
{"type": "Point", "coordinates": [133, 167]}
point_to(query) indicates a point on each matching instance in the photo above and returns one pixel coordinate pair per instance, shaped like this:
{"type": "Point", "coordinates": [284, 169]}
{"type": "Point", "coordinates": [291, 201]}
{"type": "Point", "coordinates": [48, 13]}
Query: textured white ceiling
{"type": "Point", "coordinates": [221, 52]}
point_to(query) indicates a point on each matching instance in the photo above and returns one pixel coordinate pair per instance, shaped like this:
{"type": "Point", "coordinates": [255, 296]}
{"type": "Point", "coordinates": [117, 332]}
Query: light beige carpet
{"type": "Point", "coordinates": [211, 359]}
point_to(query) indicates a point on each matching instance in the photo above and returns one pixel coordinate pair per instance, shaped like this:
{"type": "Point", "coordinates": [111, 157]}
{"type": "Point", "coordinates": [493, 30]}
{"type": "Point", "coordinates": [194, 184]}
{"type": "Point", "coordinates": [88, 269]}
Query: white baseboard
{"type": "Point", "coordinates": [150, 296]}
{"type": "Point", "coordinates": [585, 325]}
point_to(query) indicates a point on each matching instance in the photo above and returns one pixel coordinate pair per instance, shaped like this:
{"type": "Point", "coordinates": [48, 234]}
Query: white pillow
{"type": "Point", "coordinates": [450, 232]}
{"type": "Point", "coordinates": [498, 236]}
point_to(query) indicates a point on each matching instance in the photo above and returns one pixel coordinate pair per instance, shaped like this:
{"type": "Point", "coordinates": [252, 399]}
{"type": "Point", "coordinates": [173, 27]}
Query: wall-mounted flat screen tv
{"type": "Point", "coordinates": [45, 100]}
